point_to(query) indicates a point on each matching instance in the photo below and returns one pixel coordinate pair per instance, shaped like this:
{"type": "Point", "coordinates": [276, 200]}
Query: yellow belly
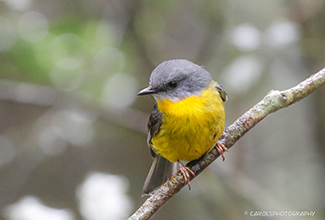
{"type": "Point", "coordinates": [190, 127]}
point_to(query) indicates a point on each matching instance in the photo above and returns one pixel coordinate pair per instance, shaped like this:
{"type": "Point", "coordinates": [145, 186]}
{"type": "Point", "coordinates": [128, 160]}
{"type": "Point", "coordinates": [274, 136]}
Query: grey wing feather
{"type": "Point", "coordinates": [222, 92]}
{"type": "Point", "coordinates": [161, 169]}
{"type": "Point", "coordinates": [154, 123]}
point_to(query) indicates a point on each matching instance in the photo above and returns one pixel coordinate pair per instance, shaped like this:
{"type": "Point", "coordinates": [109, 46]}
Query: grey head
{"type": "Point", "coordinates": [176, 80]}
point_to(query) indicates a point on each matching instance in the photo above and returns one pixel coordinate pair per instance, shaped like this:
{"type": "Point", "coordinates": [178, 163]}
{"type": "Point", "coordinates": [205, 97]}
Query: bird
{"type": "Point", "coordinates": [187, 119]}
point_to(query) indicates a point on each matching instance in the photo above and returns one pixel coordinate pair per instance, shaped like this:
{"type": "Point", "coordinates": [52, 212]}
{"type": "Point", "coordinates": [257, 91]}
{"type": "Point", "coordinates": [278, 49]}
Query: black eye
{"type": "Point", "coordinates": [172, 84]}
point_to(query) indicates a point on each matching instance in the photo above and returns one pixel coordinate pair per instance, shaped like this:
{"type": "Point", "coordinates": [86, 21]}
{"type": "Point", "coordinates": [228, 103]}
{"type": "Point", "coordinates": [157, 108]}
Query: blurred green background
{"type": "Point", "coordinates": [73, 131]}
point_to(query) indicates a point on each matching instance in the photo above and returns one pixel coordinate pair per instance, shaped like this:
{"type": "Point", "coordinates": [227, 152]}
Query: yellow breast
{"type": "Point", "coordinates": [190, 127]}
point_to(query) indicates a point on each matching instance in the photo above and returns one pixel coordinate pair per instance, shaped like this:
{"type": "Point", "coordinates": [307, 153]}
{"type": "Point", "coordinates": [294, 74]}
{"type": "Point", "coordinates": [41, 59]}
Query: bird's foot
{"type": "Point", "coordinates": [186, 173]}
{"type": "Point", "coordinates": [221, 148]}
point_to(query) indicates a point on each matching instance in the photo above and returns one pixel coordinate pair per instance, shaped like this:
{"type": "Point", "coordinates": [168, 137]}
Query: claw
{"type": "Point", "coordinates": [186, 174]}
{"type": "Point", "coordinates": [221, 148]}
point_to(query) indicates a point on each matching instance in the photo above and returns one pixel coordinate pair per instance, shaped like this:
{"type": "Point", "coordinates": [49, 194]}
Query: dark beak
{"type": "Point", "coordinates": [148, 90]}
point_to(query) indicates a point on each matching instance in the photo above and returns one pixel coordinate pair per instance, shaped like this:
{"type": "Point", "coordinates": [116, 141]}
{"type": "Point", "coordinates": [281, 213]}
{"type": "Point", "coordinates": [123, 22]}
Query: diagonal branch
{"type": "Point", "coordinates": [48, 96]}
{"type": "Point", "coordinates": [272, 102]}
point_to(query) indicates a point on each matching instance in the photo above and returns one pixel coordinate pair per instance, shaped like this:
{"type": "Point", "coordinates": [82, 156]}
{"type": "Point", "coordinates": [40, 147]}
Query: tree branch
{"type": "Point", "coordinates": [47, 96]}
{"type": "Point", "coordinates": [272, 102]}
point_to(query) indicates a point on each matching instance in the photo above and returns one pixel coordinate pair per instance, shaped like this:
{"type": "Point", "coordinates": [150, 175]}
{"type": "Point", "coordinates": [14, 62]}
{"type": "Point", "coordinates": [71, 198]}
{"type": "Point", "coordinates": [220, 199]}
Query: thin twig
{"type": "Point", "coordinates": [48, 96]}
{"type": "Point", "coordinates": [272, 102]}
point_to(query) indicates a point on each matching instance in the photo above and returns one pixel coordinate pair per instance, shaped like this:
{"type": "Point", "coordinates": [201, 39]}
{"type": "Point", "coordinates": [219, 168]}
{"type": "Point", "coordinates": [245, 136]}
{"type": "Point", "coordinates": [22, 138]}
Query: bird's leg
{"type": "Point", "coordinates": [185, 172]}
{"type": "Point", "coordinates": [220, 148]}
